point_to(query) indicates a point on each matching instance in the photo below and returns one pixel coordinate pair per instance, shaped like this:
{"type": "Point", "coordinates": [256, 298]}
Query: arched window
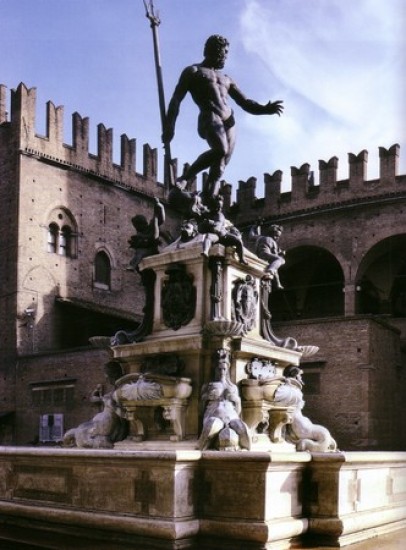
{"type": "Point", "coordinates": [102, 270]}
{"type": "Point", "coordinates": [53, 232]}
{"type": "Point", "coordinates": [61, 233]}
{"type": "Point", "coordinates": [65, 241]}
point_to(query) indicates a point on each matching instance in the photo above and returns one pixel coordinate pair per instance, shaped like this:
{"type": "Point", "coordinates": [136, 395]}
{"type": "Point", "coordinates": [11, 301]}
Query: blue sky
{"type": "Point", "coordinates": [337, 64]}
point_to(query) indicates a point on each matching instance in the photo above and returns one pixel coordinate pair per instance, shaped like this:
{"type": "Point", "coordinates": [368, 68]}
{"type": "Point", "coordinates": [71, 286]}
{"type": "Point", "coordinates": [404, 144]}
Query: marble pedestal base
{"type": "Point", "coordinates": [186, 499]}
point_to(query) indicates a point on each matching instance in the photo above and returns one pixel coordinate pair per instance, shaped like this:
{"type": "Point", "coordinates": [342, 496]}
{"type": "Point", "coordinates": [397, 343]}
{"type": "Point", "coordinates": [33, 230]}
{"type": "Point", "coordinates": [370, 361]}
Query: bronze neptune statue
{"type": "Point", "coordinates": [210, 89]}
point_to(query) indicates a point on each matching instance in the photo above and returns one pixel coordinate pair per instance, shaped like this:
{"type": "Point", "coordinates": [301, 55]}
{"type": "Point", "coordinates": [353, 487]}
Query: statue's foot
{"type": "Point", "coordinates": [198, 207]}
{"type": "Point", "coordinates": [181, 183]}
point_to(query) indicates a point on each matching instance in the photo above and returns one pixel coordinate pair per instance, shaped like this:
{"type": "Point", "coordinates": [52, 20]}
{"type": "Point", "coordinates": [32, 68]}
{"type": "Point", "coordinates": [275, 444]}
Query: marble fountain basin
{"type": "Point", "coordinates": [256, 390]}
{"type": "Point", "coordinates": [150, 386]}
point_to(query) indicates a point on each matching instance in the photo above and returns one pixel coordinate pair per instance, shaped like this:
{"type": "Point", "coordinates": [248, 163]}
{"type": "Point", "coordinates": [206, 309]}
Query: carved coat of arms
{"type": "Point", "coordinates": [178, 297]}
{"type": "Point", "coordinates": [260, 369]}
{"type": "Point", "coordinates": [245, 302]}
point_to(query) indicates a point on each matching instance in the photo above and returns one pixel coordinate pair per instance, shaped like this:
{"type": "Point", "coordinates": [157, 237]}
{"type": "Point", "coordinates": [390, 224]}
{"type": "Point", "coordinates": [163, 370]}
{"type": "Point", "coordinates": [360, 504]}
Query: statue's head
{"type": "Point", "coordinates": [216, 50]}
{"type": "Point", "coordinates": [188, 230]}
{"type": "Point", "coordinates": [217, 204]}
{"type": "Point", "coordinates": [222, 363]}
{"type": "Point", "coordinates": [113, 371]}
{"type": "Point", "coordinates": [139, 222]}
{"type": "Point", "coordinates": [275, 231]}
{"type": "Point", "coordinates": [292, 371]}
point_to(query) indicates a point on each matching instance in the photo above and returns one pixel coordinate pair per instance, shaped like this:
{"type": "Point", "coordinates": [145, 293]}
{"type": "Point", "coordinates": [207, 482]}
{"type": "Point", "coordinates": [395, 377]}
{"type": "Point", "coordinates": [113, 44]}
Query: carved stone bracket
{"type": "Point", "coordinates": [264, 418]}
{"type": "Point", "coordinates": [152, 401]}
{"type": "Point", "coordinates": [279, 417]}
{"type": "Point", "coordinates": [256, 415]}
{"type": "Point", "coordinates": [173, 410]}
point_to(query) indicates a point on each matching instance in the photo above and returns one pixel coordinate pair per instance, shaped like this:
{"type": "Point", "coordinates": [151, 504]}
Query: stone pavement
{"type": "Point", "coordinates": [391, 541]}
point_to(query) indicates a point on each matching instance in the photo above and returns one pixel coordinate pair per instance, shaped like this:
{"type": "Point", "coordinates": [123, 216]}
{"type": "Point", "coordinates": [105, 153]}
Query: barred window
{"type": "Point", "coordinates": [51, 427]}
{"type": "Point", "coordinates": [49, 394]}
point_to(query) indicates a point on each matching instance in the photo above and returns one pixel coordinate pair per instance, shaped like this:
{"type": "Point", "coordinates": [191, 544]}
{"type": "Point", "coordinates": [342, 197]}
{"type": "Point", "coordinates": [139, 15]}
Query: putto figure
{"type": "Point", "coordinates": [217, 229]}
{"type": "Point", "coordinates": [210, 89]}
{"type": "Point", "coordinates": [267, 248]}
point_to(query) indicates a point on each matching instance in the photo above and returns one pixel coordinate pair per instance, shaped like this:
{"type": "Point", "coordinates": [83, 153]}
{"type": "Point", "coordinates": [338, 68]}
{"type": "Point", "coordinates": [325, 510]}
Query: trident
{"type": "Point", "coordinates": [154, 20]}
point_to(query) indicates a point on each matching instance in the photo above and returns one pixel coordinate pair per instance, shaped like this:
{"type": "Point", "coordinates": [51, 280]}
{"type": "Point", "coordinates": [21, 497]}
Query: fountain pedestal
{"type": "Point", "coordinates": [202, 305]}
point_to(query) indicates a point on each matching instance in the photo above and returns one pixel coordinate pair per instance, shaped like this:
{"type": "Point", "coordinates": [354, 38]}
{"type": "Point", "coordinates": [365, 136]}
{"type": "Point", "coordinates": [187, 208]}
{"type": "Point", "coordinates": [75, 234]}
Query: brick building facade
{"type": "Point", "coordinates": [65, 221]}
{"type": "Point", "coordinates": [345, 290]}
{"type": "Point", "coordinates": [64, 277]}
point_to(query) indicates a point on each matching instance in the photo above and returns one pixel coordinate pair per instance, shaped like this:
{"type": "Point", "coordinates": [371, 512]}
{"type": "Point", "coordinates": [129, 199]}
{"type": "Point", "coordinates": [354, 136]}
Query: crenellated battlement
{"type": "Point", "coordinates": [307, 195]}
{"type": "Point", "coordinates": [21, 123]}
{"type": "Point", "coordinates": [308, 192]}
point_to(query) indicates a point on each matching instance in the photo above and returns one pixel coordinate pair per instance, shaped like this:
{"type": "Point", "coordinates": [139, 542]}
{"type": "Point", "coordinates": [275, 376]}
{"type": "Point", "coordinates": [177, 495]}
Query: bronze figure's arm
{"type": "Point", "coordinates": [178, 96]}
{"type": "Point", "coordinates": [253, 107]}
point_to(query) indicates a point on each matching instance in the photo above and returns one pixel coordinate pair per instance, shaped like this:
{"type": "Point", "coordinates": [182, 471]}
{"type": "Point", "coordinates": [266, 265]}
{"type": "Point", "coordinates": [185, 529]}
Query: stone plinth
{"type": "Point", "coordinates": [216, 274]}
{"type": "Point", "coordinates": [122, 500]}
{"type": "Point", "coordinates": [99, 499]}
{"type": "Point", "coordinates": [150, 500]}
{"type": "Point", "coordinates": [354, 496]}
{"type": "Point", "coordinates": [252, 500]}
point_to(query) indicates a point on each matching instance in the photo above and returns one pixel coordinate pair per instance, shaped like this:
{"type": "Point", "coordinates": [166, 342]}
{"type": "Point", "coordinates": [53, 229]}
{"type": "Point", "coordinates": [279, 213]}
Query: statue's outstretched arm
{"type": "Point", "coordinates": [181, 90]}
{"type": "Point", "coordinates": [159, 212]}
{"type": "Point", "coordinates": [158, 219]}
{"type": "Point", "coordinates": [253, 107]}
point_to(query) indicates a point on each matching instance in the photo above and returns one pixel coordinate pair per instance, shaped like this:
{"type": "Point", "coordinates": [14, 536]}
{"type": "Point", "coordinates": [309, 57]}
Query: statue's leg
{"type": "Point", "coordinates": [242, 429]}
{"type": "Point", "coordinates": [202, 162]}
{"type": "Point", "coordinates": [207, 242]}
{"type": "Point", "coordinates": [273, 268]}
{"type": "Point", "coordinates": [221, 142]}
{"type": "Point", "coordinates": [232, 240]}
{"type": "Point", "coordinates": [211, 427]}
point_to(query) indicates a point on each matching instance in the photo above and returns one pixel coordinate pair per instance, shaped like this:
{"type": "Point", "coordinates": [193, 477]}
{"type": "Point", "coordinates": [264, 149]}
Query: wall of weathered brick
{"type": "Point", "coordinates": [37, 175]}
{"type": "Point", "coordinates": [362, 380]}
{"type": "Point", "coordinates": [103, 215]}
{"type": "Point", "coordinates": [8, 258]}
{"type": "Point", "coordinates": [99, 195]}
{"type": "Point", "coordinates": [83, 369]}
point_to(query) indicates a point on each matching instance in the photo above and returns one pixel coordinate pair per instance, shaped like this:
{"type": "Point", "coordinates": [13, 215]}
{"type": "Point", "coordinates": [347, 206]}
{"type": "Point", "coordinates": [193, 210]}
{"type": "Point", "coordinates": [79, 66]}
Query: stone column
{"type": "Point", "coordinates": [349, 299]}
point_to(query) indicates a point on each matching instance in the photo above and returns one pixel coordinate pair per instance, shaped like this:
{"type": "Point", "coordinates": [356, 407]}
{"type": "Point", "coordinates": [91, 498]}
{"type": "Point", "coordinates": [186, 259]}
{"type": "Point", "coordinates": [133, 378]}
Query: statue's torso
{"type": "Point", "coordinates": [209, 89]}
